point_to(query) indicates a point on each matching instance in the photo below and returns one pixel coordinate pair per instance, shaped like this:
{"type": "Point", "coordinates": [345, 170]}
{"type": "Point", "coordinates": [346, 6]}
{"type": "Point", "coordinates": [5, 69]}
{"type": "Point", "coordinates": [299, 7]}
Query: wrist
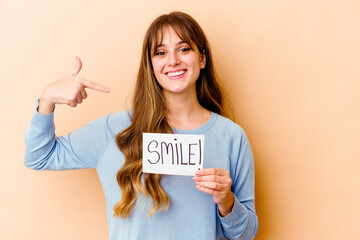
{"type": "Point", "coordinates": [45, 105]}
{"type": "Point", "coordinates": [226, 207]}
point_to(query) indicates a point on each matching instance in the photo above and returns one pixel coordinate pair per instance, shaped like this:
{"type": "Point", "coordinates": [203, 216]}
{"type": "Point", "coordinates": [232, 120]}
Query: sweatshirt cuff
{"type": "Point", "coordinates": [237, 212]}
{"type": "Point", "coordinates": [41, 122]}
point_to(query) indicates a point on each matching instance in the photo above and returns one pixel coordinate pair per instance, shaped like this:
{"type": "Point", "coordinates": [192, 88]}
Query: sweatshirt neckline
{"type": "Point", "coordinates": [200, 129]}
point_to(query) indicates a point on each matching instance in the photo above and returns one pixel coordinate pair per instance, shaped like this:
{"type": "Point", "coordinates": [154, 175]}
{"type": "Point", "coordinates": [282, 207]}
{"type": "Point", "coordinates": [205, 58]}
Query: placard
{"type": "Point", "coordinates": [177, 154]}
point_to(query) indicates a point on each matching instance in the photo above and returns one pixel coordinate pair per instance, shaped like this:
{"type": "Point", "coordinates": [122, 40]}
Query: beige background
{"type": "Point", "coordinates": [292, 72]}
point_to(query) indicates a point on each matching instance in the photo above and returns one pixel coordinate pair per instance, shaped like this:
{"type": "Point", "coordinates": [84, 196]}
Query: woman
{"type": "Point", "coordinates": [176, 92]}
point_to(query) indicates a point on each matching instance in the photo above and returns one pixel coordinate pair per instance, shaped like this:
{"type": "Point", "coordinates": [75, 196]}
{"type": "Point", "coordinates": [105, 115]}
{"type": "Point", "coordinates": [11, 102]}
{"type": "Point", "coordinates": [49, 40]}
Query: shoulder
{"type": "Point", "coordinates": [116, 122]}
{"type": "Point", "coordinates": [227, 127]}
{"type": "Point", "coordinates": [231, 134]}
{"type": "Point", "coordinates": [235, 138]}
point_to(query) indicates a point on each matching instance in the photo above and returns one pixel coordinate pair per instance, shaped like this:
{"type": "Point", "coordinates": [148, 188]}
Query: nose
{"type": "Point", "coordinates": [173, 58]}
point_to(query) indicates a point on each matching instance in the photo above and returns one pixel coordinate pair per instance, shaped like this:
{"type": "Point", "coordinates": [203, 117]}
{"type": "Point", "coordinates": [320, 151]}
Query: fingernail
{"type": "Point", "coordinates": [107, 89]}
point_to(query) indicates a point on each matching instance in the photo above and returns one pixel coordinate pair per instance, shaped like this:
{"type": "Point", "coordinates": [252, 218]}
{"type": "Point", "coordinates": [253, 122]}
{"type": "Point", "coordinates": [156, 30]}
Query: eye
{"type": "Point", "coordinates": [160, 53]}
{"type": "Point", "coordinates": [184, 49]}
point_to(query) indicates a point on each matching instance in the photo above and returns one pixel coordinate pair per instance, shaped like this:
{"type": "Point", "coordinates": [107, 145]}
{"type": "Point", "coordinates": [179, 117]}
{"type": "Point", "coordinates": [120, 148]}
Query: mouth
{"type": "Point", "coordinates": [176, 74]}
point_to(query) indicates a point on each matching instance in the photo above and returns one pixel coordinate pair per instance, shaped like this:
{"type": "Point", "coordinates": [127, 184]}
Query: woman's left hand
{"type": "Point", "coordinates": [217, 182]}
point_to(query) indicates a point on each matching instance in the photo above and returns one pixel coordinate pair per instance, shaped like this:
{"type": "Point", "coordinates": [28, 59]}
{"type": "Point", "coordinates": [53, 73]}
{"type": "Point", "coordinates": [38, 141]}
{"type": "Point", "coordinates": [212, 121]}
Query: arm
{"type": "Point", "coordinates": [81, 148]}
{"type": "Point", "coordinates": [43, 149]}
{"type": "Point", "coordinates": [242, 222]}
{"type": "Point", "coordinates": [233, 191]}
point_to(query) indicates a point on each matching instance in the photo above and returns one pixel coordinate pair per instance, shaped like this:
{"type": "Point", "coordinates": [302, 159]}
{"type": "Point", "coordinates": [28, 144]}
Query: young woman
{"type": "Point", "coordinates": [176, 92]}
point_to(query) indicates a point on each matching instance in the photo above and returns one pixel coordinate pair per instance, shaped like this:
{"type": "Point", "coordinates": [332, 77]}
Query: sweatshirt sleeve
{"type": "Point", "coordinates": [79, 149]}
{"type": "Point", "coordinates": [241, 222]}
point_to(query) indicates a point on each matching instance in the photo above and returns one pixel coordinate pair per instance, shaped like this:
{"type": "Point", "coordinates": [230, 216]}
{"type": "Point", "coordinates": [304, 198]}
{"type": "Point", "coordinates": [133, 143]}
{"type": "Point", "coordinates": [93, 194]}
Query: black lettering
{"type": "Point", "coordinates": [148, 148]}
{"type": "Point", "coordinates": [199, 151]}
{"type": "Point", "coordinates": [182, 163]}
{"type": "Point", "coordinates": [167, 146]}
{"type": "Point", "coordinates": [191, 153]}
{"type": "Point", "coordinates": [177, 153]}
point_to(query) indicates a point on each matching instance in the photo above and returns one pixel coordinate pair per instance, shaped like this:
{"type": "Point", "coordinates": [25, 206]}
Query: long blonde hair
{"type": "Point", "coordinates": [149, 112]}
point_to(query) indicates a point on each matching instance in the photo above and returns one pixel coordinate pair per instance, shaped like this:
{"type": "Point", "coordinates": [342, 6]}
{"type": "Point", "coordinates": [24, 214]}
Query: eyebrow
{"type": "Point", "coordinates": [178, 43]}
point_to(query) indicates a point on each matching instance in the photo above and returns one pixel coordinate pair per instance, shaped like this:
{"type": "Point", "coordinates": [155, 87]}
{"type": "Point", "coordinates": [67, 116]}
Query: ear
{"type": "Point", "coordinates": [202, 60]}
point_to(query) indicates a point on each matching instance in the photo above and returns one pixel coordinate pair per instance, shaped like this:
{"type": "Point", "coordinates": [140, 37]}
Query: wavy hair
{"type": "Point", "coordinates": [150, 110]}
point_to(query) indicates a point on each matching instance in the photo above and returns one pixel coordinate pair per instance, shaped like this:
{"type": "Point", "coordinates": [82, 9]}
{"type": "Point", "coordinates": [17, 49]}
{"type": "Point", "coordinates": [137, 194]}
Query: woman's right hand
{"type": "Point", "coordinates": [69, 90]}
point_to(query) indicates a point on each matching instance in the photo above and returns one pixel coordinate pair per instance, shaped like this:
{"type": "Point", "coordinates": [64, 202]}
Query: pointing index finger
{"type": "Point", "coordinates": [95, 86]}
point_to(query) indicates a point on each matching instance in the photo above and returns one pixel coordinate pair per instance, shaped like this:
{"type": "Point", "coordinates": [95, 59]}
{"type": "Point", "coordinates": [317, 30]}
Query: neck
{"type": "Point", "coordinates": [185, 111]}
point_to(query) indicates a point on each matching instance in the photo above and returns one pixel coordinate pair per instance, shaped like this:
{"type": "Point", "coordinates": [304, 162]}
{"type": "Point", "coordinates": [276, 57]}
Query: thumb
{"type": "Point", "coordinates": [77, 68]}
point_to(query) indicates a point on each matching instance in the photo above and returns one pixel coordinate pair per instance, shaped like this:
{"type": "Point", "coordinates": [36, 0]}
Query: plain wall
{"type": "Point", "coordinates": [291, 69]}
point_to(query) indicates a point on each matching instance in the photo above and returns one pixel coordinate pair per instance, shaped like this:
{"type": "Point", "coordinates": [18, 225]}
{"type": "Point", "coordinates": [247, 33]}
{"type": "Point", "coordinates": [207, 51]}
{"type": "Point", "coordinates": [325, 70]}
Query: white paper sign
{"type": "Point", "coordinates": [178, 154]}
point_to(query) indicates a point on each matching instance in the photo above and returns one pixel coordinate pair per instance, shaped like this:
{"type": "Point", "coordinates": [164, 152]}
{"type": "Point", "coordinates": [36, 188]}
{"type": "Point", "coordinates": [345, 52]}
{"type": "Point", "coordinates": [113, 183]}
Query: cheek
{"type": "Point", "coordinates": [157, 66]}
{"type": "Point", "coordinates": [195, 64]}
{"type": "Point", "coordinates": [193, 61]}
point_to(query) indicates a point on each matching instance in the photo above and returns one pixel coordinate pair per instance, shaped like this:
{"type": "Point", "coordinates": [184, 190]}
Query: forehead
{"type": "Point", "coordinates": [169, 33]}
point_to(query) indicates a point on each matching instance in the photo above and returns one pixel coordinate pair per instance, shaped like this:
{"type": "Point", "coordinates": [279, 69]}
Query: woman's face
{"type": "Point", "coordinates": [177, 65]}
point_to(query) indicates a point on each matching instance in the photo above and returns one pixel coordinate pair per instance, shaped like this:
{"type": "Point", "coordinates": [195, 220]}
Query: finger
{"type": "Point", "coordinates": [79, 98]}
{"type": "Point", "coordinates": [77, 68]}
{"type": "Point", "coordinates": [213, 186]}
{"type": "Point", "coordinates": [208, 190]}
{"type": "Point", "coordinates": [212, 171]}
{"type": "Point", "coordinates": [83, 93]}
{"type": "Point", "coordinates": [94, 86]}
{"type": "Point", "coordinates": [72, 104]}
{"type": "Point", "coordinates": [211, 178]}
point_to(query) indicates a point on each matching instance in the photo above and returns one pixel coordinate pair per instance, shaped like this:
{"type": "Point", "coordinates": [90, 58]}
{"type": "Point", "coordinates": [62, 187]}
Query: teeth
{"type": "Point", "coordinates": [173, 74]}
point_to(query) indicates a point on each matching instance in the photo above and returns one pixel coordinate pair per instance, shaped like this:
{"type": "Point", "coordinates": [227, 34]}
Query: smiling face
{"type": "Point", "coordinates": [176, 64]}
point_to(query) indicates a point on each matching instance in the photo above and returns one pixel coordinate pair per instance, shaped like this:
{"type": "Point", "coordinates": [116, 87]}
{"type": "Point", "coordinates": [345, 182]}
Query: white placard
{"type": "Point", "coordinates": [178, 154]}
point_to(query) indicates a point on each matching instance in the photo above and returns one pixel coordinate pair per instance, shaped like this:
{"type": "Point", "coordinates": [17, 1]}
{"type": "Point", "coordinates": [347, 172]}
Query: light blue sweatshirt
{"type": "Point", "coordinates": [192, 214]}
